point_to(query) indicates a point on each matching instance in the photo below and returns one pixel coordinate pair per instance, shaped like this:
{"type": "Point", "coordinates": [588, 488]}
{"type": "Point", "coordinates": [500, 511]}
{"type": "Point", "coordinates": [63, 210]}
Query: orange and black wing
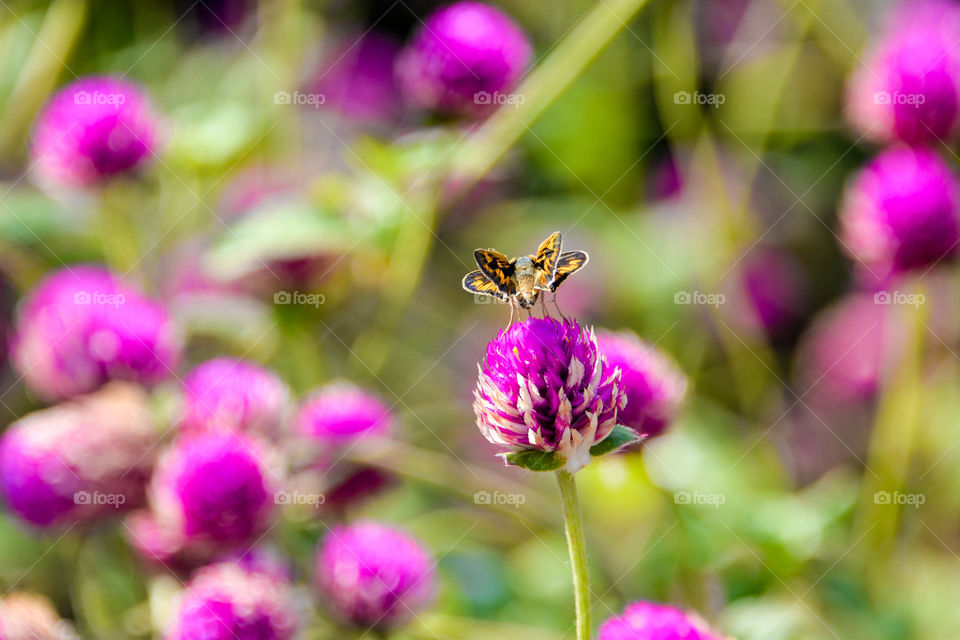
{"type": "Point", "coordinates": [548, 255]}
{"type": "Point", "coordinates": [568, 264]}
{"type": "Point", "coordinates": [476, 282]}
{"type": "Point", "coordinates": [498, 269]}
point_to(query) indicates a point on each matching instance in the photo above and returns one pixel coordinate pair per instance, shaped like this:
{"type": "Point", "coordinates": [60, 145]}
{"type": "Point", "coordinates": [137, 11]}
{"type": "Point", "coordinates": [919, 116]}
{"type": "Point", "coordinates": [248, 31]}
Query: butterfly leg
{"type": "Point", "coordinates": [543, 305]}
{"type": "Point", "coordinates": [558, 307]}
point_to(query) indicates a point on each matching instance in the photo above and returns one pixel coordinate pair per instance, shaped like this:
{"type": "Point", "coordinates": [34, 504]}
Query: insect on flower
{"type": "Point", "coordinates": [520, 281]}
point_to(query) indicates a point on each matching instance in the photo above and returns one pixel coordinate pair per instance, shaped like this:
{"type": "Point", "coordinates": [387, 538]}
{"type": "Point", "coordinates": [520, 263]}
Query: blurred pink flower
{"type": "Point", "coordinates": [92, 129]}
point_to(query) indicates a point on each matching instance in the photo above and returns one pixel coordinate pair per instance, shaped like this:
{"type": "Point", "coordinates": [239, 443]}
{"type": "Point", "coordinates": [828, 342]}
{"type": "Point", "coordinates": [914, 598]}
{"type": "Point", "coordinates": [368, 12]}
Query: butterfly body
{"type": "Point", "coordinates": [521, 280]}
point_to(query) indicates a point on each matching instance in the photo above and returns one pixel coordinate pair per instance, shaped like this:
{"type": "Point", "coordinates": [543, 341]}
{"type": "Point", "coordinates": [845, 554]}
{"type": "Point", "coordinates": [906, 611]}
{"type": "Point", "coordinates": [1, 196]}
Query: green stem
{"type": "Point", "coordinates": [573, 526]}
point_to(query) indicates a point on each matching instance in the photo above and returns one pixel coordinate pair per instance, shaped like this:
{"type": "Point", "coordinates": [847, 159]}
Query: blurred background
{"type": "Point", "coordinates": [300, 211]}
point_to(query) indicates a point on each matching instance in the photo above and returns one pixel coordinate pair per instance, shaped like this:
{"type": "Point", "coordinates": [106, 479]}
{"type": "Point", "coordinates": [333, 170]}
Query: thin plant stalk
{"type": "Point", "coordinates": [573, 526]}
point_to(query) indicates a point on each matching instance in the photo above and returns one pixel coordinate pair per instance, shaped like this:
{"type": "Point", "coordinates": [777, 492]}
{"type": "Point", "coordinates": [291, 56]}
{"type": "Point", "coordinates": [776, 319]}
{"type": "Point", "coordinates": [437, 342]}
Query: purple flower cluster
{"type": "Point", "coordinates": [908, 89]}
{"type": "Point", "coordinates": [341, 413]}
{"type": "Point", "coordinates": [463, 58]}
{"type": "Point", "coordinates": [83, 326]}
{"type": "Point", "coordinates": [545, 385]}
{"type": "Point", "coordinates": [214, 487]}
{"type": "Point", "coordinates": [95, 128]}
{"type": "Point", "coordinates": [375, 576]}
{"type": "Point", "coordinates": [229, 394]}
{"type": "Point", "coordinates": [651, 621]}
{"type": "Point", "coordinates": [228, 601]}
{"type": "Point", "coordinates": [654, 386]}
{"type": "Point", "coordinates": [79, 460]}
{"type": "Point", "coordinates": [901, 212]}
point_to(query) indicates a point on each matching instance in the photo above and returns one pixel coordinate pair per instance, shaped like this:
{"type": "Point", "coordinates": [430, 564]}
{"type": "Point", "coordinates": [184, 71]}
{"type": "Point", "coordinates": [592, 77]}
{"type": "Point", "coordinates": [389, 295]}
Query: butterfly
{"type": "Point", "coordinates": [521, 280]}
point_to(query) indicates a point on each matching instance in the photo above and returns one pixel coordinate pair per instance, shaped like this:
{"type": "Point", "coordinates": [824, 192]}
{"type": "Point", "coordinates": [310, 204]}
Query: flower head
{"type": "Point", "coordinates": [224, 393]}
{"type": "Point", "coordinates": [546, 386]}
{"type": "Point", "coordinates": [847, 352]}
{"type": "Point", "coordinates": [462, 58]}
{"type": "Point", "coordinates": [215, 486]}
{"type": "Point", "coordinates": [81, 460]}
{"type": "Point", "coordinates": [227, 601]}
{"type": "Point", "coordinates": [900, 213]}
{"type": "Point", "coordinates": [908, 89]}
{"type": "Point", "coordinates": [374, 575]}
{"type": "Point", "coordinates": [650, 621]}
{"type": "Point", "coordinates": [358, 80]}
{"type": "Point", "coordinates": [28, 616]}
{"type": "Point", "coordinates": [654, 386]}
{"type": "Point", "coordinates": [92, 129]}
{"type": "Point", "coordinates": [774, 290]}
{"type": "Point", "coordinates": [341, 412]}
{"type": "Point", "coordinates": [83, 326]}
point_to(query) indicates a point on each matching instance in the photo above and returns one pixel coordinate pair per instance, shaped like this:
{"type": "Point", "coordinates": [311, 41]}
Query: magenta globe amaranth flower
{"type": "Point", "coordinates": [83, 326]}
{"type": "Point", "coordinates": [233, 394]}
{"type": "Point", "coordinates": [374, 576]}
{"type": "Point", "coordinates": [651, 621]}
{"type": "Point", "coordinates": [848, 351]}
{"type": "Point", "coordinates": [464, 58]}
{"type": "Point", "coordinates": [341, 413]}
{"type": "Point", "coordinates": [908, 89]}
{"type": "Point", "coordinates": [216, 486]}
{"type": "Point", "coordinates": [359, 82]}
{"type": "Point", "coordinates": [81, 460]}
{"type": "Point", "coordinates": [900, 213]}
{"type": "Point", "coordinates": [227, 601]}
{"type": "Point", "coordinates": [654, 386]}
{"type": "Point", "coordinates": [92, 129]}
{"type": "Point", "coordinates": [546, 386]}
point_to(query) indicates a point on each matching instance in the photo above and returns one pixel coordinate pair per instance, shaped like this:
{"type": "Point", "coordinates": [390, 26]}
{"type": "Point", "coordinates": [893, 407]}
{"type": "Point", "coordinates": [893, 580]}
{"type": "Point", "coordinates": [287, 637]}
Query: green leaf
{"type": "Point", "coordinates": [534, 460]}
{"type": "Point", "coordinates": [619, 438]}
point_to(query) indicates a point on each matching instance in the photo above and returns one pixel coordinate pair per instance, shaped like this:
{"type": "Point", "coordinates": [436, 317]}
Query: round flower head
{"type": "Point", "coordinates": [654, 386]}
{"type": "Point", "coordinates": [900, 213]}
{"type": "Point", "coordinates": [229, 602]}
{"type": "Point", "coordinates": [28, 616]}
{"type": "Point", "coordinates": [909, 88]}
{"type": "Point", "coordinates": [848, 350]}
{"type": "Point", "coordinates": [463, 58]}
{"type": "Point", "coordinates": [83, 326]}
{"type": "Point", "coordinates": [358, 80]}
{"type": "Point", "coordinates": [374, 576]}
{"type": "Point", "coordinates": [232, 394]}
{"type": "Point", "coordinates": [80, 460]}
{"type": "Point", "coordinates": [92, 129]}
{"type": "Point", "coordinates": [546, 386]}
{"type": "Point", "coordinates": [216, 486]}
{"type": "Point", "coordinates": [340, 413]}
{"type": "Point", "coordinates": [650, 621]}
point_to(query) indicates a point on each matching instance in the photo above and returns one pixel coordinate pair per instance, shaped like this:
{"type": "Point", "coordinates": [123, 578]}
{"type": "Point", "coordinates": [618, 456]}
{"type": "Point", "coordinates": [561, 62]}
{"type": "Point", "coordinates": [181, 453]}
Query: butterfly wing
{"type": "Point", "coordinates": [498, 269]}
{"type": "Point", "coordinates": [476, 282]}
{"type": "Point", "coordinates": [568, 264]}
{"type": "Point", "coordinates": [548, 255]}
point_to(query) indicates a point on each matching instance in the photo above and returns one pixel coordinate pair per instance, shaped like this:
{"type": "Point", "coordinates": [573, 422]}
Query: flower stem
{"type": "Point", "coordinates": [573, 526]}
